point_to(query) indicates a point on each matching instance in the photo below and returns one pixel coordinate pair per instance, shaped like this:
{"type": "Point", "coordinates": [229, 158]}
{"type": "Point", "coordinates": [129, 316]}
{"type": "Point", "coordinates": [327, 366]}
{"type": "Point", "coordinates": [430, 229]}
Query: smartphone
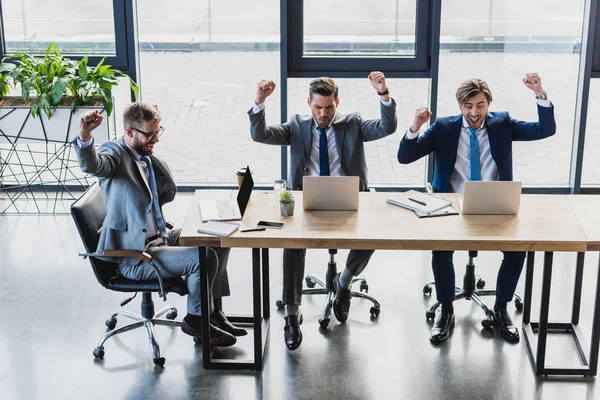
{"type": "Point", "coordinates": [271, 225]}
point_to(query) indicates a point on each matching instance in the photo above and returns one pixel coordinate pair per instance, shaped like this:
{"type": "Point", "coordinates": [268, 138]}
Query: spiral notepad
{"type": "Point", "coordinates": [218, 228]}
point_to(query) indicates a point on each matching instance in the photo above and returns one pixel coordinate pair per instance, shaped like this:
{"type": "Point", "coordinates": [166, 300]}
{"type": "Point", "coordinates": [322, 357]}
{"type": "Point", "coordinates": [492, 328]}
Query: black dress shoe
{"type": "Point", "coordinates": [505, 324]}
{"type": "Point", "coordinates": [341, 304]}
{"type": "Point", "coordinates": [442, 327]}
{"type": "Point", "coordinates": [218, 337]}
{"type": "Point", "coordinates": [218, 319]}
{"type": "Point", "coordinates": [291, 332]}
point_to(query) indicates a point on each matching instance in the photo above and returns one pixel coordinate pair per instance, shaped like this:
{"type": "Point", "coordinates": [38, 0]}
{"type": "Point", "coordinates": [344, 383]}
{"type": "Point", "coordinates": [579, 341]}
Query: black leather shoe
{"type": "Point", "coordinates": [505, 324]}
{"type": "Point", "coordinates": [218, 337]}
{"type": "Point", "coordinates": [218, 319]}
{"type": "Point", "coordinates": [442, 327]}
{"type": "Point", "coordinates": [291, 332]}
{"type": "Point", "coordinates": [341, 304]}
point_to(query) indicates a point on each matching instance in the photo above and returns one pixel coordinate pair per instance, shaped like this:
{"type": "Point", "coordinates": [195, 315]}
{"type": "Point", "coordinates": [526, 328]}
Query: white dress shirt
{"type": "Point", "coordinates": [462, 167]}
{"type": "Point", "coordinates": [151, 228]}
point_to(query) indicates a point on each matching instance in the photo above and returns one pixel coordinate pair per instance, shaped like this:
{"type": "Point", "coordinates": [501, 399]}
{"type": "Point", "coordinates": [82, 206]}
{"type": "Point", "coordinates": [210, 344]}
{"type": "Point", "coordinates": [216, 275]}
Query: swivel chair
{"type": "Point", "coordinates": [472, 290]}
{"type": "Point", "coordinates": [327, 288]}
{"type": "Point", "coordinates": [88, 212]}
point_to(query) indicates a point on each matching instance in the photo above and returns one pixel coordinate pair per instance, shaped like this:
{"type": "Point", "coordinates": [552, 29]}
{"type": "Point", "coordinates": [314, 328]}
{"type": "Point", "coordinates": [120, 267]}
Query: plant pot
{"type": "Point", "coordinates": [287, 209]}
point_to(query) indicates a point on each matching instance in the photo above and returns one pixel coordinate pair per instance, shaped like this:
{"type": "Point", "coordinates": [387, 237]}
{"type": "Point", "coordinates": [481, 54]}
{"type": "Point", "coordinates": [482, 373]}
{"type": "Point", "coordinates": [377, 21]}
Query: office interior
{"type": "Point", "coordinates": [200, 62]}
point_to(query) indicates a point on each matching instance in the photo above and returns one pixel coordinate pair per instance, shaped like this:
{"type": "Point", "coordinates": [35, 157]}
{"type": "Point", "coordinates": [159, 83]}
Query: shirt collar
{"type": "Point", "coordinates": [135, 154]}
{"type": "Point", "coordinates": [316, 124]}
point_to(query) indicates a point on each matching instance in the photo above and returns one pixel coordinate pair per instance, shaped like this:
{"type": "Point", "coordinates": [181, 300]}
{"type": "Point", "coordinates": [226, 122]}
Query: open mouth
{"type": "Point", "coordinates": [474, 121]}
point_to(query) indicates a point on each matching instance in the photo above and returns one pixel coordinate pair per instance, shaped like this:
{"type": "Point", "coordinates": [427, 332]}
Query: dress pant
{"type": "Point", "coordinates": [174, 261]}
{"type": "Point", "coordinates": [506, 284]}
{"type": "Point", "coordinates": [293, 271]}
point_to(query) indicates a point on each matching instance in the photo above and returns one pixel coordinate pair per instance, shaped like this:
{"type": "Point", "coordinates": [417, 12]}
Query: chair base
{"type": "Point", "coordinates": [473, 289]}
{"type": "Point", "coordinates": [140, 321]}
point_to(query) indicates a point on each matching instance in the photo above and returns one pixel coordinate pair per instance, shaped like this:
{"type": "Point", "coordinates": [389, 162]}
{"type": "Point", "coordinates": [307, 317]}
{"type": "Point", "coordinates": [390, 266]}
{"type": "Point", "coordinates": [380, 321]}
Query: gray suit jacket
{"type": "Point", "coordinates": [126, 195]}
{"type": "Point", "coordinates": [350, 132]}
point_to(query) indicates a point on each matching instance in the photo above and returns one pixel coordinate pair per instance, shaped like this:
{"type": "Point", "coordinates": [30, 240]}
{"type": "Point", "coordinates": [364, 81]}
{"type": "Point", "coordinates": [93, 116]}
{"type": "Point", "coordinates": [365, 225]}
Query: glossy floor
{"type": "Point", "coordinates": [54, 310]}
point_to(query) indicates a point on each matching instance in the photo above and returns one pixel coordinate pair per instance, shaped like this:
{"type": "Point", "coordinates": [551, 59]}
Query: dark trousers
{"type": "Point", "coordinates": [506, 284]}
{"type": "Point", "coordinates": [293, 271]}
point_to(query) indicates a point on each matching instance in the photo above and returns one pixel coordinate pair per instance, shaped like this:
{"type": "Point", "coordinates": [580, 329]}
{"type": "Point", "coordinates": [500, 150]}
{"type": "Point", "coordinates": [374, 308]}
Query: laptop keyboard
{"type": "Point", "coordinates": [225, 209]}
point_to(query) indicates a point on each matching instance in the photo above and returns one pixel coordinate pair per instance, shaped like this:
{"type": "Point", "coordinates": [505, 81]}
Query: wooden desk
{"type": "Point", "coordinates": [545, 223]}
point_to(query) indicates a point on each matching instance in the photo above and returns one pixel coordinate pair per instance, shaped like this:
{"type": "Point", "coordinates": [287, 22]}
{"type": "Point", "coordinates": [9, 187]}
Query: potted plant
{"type": "Point", "coordinates": [286, 203]}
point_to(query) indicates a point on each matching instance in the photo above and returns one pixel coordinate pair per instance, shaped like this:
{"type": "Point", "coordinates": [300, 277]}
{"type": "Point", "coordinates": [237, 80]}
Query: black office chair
{"type": "Point", "coordinates": [88, 212]}
{"type": "Point", "coordinates": [472, 290]}
{"type": "Point", "coordinates": [326, 288]}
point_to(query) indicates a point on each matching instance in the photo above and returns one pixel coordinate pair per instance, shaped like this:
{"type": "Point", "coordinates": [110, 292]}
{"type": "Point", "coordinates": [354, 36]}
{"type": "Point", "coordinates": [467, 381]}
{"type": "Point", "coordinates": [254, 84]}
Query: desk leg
{"type": "Point", "coordinates": [595, 328]}
{"type": "Point", "coordinates": [577, 289]}
{"type": "Point", "coordinates": [265, 283]}
{"type": "Point", "coordinates": [204, 307]}
{"type": "Point", "coordinates": [528, 287]}
{"type": "Point", "coordinates": [544, 309]}
{"type": "Point", "coordinates": [256, 302]}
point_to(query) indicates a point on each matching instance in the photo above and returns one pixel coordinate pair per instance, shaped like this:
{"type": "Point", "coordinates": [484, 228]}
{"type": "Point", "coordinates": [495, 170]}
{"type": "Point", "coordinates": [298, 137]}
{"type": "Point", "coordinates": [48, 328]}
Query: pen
{"type": "Point", "coordinates": [253, 229]}
{"type": "Point", "coordinates": [418, 202]}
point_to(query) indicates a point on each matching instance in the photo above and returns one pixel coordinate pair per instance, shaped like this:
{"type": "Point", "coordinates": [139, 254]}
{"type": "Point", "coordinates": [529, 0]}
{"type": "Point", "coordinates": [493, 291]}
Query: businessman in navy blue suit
{"type": "Point", "coordinates": [475, 145]}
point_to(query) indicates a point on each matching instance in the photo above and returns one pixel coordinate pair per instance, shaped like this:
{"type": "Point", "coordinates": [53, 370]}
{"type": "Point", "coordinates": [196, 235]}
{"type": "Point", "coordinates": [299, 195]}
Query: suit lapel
{"type": "Point", "coordinates": [306, 129]}
{"type": "Point", "coordinates": [455, 128]}
{"type": "Point", "coordinates": [491, 127]}
{"type": "Point", "coordinates": [339, 129]}
{"type": "Point", "coordinates": [136, 166]}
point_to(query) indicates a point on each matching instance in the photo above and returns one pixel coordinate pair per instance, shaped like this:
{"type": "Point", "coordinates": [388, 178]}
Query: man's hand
{"type": "Point", "coordinates": [263, 90]}
{"type": "Point", "coordinates": [87, 123]}
{"type": "Point", "coordinates": [378, 81]}
{"type": "Point", "coordinates": [534, 82]}
{"type": "Point", "coordinates": [422, 115]}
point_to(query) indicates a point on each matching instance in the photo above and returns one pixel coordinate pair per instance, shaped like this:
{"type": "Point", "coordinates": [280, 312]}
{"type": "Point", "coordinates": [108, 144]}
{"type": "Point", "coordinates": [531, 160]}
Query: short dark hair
{"type": "Point", "coordinates": [471, 88]}
{"type": "Point", "coordinates": [135, 114]}
{"type": "Point", "coordinates": [323, 86]}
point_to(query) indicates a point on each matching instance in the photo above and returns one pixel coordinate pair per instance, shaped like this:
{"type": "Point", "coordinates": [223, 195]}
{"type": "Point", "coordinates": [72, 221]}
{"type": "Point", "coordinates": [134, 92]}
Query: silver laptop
{"type": "Point", "coordinates": [228, 209]}
{"type": "Point", "coordinates": [491, 198]}
{"type": "Point", "coordinates": [335, 193]}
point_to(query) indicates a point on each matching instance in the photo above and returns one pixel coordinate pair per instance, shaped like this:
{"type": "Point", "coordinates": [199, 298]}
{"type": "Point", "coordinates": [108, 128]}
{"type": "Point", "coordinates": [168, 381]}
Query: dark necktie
{"type": "Point", "coordinates": [160, 222]}
{"type": "Point", "coordinates": [323, 152]}
{"type": "Point", "coordinates": [474, 155]}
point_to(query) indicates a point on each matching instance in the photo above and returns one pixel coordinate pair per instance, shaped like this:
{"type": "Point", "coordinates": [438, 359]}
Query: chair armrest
{"type": "Point", "coordinates": [142, 255]}
{"type": "Point", "coordinates": [169, 225]}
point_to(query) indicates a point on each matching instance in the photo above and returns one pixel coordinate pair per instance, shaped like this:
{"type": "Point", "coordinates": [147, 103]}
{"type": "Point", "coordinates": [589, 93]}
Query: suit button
{"type": "Point", "coordinates": [144, 230]}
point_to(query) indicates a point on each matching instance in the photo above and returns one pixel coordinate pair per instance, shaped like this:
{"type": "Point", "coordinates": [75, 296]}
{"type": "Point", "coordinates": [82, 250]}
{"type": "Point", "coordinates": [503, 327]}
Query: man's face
{"type": "Point", "coordinates": [139, 139]}
{"type": "Point", "coordinates": [475, 110]}
{"type": "Point", "coordinates": [323, 108]}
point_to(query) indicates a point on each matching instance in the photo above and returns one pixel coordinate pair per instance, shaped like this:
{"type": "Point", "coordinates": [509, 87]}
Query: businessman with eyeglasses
{"type": "Point", "coordinates": [136, 184]}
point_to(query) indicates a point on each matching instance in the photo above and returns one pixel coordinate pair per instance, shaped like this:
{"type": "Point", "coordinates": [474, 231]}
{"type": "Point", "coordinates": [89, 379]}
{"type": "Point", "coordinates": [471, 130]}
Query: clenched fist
{"type": "Point", "coordinates": [378, 81]}
{"type": "Point", "coordinates": [263, 90]}
{"type": "Point", "coordinates": [422, 115]}
{"type": "Point", "coordinates": [534, 82]}
{"type": "Point", "coordinates": [88, 122]}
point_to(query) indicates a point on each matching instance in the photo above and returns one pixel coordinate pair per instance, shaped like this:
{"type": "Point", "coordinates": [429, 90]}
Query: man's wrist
{"type": "Point", "coordinates": [84, 137]}
{"type": "Point", "coordinates": [414, 129]}
{"type": "Point", "coordinates": [258, 101]}
{"type": "Point", "coordinates": [540, 94]}
{"type": "Point", "coordinates": [385, 92]}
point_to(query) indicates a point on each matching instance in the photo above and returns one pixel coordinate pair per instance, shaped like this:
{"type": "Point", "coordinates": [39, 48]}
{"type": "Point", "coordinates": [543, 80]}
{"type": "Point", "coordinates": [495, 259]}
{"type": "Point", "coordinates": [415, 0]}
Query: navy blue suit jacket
{"type": "Point", "coordinates": [442, 139]}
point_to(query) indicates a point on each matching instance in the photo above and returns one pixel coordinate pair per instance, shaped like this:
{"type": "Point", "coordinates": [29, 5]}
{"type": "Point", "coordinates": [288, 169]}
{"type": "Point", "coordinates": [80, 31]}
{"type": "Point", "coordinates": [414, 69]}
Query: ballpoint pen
{"type": "Point", "coordinates": [253, 229]}
{"type": "Point", "coordinates": [418, 202]}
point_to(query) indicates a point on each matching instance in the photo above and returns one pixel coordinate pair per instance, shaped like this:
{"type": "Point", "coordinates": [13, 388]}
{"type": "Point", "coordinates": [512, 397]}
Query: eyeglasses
{"type": "Point", "coordinates": [150, 135]}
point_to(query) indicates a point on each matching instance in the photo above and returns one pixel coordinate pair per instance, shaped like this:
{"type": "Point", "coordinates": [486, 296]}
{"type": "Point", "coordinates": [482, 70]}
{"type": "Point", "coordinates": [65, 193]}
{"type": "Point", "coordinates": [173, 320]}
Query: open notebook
{"type": "Point", "coordinates": [218, 228]}
{"type": "Point", "coordinates": [422, 203]}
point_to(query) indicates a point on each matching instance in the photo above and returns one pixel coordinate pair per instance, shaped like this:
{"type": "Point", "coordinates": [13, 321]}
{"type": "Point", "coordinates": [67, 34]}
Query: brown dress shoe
{"type": "Point", "coordinates": [218, 319]}
{"type": "Point", "coordinates": [218, 337]}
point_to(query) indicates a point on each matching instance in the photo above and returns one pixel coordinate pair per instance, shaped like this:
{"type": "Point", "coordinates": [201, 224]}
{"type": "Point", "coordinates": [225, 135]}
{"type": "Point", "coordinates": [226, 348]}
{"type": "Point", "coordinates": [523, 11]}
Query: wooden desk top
{"type": "Point", "coordinates": [545, 223]}
{"type": "Point", "coordinates": [587, 211]}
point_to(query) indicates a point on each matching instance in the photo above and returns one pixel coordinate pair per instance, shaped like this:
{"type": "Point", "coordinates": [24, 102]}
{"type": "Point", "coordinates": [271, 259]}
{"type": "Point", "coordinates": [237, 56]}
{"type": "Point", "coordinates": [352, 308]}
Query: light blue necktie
{"type": "Point", "coordinates": [160, 222]}
{"type": "Point", "coordinates": [474, 155]}
{"type": "Point", "coordinates": [323, 152]}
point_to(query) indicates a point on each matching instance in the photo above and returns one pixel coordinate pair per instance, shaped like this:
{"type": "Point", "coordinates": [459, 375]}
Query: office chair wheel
{"type": "Point", "coordinates": [159, 361]}
{"type": "Point", "coordinates": [279, 304]}
{"type": "Point", "coordinates": [426, 289]}
{"type": "Point", "coordinates": [364, 287]}
{"type": "Point", "coordinates": [197, 340]}
{"type": "Point", "coordinates": [309, 283]}
{"type": "Point", "coordinates": [324, 322]}
{"type": "Point", "coordinates": [375, 312]}
{"type": "Point", "coordinates": [429, 315]}
{"type": "Point", "coordinates": [99, 352]}
{"type": "Point", "coordinates": [172, 314]}
{"type": "Point", "coordinates": [480, 284]}
{"type": "Point", "coordinates": [111, 323]}
{"type": "Point", "coordinates": [518, 305]}
{"type": "Point", "coordinates": [487, 323]}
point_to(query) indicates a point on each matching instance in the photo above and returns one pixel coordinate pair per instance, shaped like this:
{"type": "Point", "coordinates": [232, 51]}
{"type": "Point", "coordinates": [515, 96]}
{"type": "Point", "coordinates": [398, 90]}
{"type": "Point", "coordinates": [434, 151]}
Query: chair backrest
{"type": "Point", "coordinates": [88, 212]}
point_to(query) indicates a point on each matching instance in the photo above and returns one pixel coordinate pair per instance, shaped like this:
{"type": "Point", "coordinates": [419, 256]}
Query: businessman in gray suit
{"type": "Point", "coordinates": [324, 143]}
{"type": "Point", "coordinates": [136, 184]}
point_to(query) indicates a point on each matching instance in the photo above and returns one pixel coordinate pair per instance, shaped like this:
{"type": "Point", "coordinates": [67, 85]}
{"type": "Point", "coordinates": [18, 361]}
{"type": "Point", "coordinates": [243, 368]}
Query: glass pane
{"type": "Point", "coordinates": [591, 154]}
{"type": "Point", "coordinates": [500, 45]}
{"type": "Point", "coordinates": [357, 95]}
{"type": "Point", "coordinates": [359, 28]}
{"type": "Point", "coordinates": [204, 96]}
{"type": "Point", "coordinates": [77, 26]}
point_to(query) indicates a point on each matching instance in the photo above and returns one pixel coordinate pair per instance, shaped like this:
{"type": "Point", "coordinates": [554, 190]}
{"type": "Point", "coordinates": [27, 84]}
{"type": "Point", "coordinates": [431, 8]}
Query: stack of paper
{"type": "Point", "coordinates": [422, 203]}
{"type": "Point", "coordinates": [218, 228]}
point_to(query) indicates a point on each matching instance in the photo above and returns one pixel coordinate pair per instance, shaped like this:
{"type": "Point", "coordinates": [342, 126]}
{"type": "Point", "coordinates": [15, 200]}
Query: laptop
{"type": "Point", "coordinates": [491, 198]}
{"type": "Point", "coordinates": [228, 209]}
{"type": "Point", "coordinates": [330, 193]}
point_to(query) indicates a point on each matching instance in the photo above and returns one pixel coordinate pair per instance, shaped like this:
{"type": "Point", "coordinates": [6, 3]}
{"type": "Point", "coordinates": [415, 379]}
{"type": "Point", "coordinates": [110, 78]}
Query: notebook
{"type": "Point", "coordinates": [218, 228]}
{"type": "Point", "coordinates": [228, 209]}
{"type": "Point", "coordinates": [419, 202]}
{"type": "Point", "coordinates": [439, 213]}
